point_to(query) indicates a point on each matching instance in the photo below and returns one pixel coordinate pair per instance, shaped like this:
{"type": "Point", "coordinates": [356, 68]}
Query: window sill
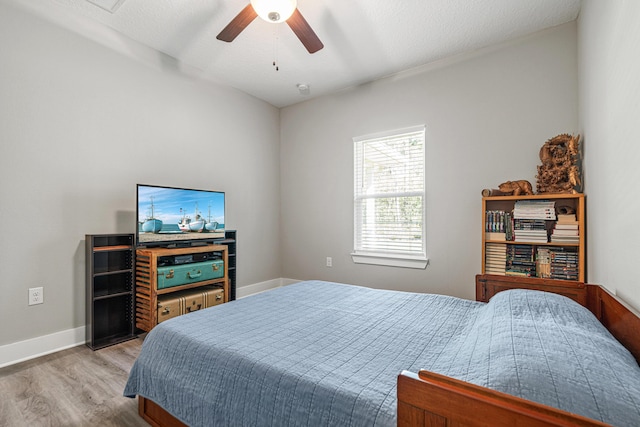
{"type": "Point", "coordinates": [390, 260]}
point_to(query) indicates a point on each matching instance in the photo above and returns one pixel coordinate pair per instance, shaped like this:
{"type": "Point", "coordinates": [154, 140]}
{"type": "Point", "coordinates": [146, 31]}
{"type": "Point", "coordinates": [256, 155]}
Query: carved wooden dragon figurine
{"type": "Point", "coordinates": [560, 171]}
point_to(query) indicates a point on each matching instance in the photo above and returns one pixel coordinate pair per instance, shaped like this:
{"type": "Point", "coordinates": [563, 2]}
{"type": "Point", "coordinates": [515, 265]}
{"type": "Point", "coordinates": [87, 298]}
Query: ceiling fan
{"type": "Point", "coordinates": [274, 11]}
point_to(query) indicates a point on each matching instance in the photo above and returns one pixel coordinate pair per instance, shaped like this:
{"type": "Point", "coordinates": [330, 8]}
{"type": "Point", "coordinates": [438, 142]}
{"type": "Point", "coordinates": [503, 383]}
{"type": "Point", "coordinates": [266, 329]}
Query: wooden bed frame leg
{"type": "Point", "coordinates": [155, 415]}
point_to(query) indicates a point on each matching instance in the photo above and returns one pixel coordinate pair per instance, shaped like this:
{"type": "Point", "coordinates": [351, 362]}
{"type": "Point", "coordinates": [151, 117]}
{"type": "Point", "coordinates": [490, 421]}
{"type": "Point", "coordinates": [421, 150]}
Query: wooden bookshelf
{"type": "Point", "coordinates": [575, 202]}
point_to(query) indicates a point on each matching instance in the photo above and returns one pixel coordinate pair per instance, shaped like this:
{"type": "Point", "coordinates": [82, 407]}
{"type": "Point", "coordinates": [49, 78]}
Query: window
{"type": "Point", "coordinates": [389, 196]}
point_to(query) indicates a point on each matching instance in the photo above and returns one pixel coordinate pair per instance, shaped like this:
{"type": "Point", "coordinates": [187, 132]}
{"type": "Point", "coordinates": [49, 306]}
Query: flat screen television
{"type": "Point", "coordinates": [169, 216]}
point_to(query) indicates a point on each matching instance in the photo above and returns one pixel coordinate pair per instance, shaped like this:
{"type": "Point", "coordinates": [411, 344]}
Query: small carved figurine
{"type": "Point", "coordinates": [517, 188]}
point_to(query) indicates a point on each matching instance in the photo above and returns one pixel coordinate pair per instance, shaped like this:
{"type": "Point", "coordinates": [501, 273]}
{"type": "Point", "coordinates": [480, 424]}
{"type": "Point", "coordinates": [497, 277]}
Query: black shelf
{"type": "Point", "coordinates": [230, 240]}
{"type": "Point", "coordinates": [112, 261]}
{"type": "Point", "coordinates": [97, 298]}
{"type": "Point", "coordinates": [110, 289]}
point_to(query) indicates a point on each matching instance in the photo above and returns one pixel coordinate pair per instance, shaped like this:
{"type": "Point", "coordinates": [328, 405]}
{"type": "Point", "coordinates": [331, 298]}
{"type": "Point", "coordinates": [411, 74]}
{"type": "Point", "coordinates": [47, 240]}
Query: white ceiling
{"type": "Point", "coordinates": [363, 39]}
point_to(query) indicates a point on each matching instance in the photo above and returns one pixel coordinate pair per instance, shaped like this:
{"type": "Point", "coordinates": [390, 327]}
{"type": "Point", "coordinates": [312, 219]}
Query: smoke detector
{"type": "Point", "coordinates": [303, 88]}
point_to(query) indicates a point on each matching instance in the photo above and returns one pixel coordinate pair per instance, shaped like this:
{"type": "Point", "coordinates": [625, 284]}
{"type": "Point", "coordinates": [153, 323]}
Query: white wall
{"type": "Point", "coordinates": [486, 115]}
{"type": "Point", "coordinates": [80, 125]}
{"type": "Point", "coordinates": [609, 63]}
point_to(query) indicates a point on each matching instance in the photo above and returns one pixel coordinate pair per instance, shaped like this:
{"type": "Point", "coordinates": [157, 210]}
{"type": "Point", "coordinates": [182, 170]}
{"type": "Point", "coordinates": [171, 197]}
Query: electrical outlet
{"type": "Point", "coordinates": [36, 296]}
{"type": "Point", "coordinates": [329, 262]}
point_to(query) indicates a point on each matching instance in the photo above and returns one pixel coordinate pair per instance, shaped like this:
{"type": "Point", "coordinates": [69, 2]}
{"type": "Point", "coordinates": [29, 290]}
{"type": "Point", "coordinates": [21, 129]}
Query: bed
{"type": "Point", "coordinates": [319, 353]}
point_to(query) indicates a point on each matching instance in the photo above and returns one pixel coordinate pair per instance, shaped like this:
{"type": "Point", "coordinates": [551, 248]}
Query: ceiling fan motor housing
{"type": "Point", "coordinates": [274, 11]}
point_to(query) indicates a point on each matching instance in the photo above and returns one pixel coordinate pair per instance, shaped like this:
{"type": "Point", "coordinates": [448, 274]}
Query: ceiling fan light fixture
{"type": "Point", "coordinates": [274, 11]}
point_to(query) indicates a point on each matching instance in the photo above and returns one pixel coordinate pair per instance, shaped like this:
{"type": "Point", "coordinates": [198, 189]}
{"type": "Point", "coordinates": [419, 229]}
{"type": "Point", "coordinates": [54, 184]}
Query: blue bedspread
{"type": "Point", "coordinates": [327, 354]}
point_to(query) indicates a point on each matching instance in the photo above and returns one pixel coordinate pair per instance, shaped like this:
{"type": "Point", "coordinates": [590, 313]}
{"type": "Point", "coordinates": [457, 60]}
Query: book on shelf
{"type": "Point", "coordinates": [529, 224]}
{"type": "Point", "coordinates": [543, 262]}
{"type": "Point", "coordinates": [566, 219]}
{"type": "Point", "coordinates": [566, 226]}
{"type": "Point", "coordinates": [565, 232]}
{"type": "Point", "coordinates": [495, 258]}
{"type": "Point", "coordinates": [565, 239]}
{"type": "Point", "coordinates": [508, 224]}
{"type": "Point", "coordinates": [491, 235]}
{"type": "Point", "coordinates": [531, 239]}
{"type": "Point", "coordinates": [495, 264]}
{"type": "Point", "coordinates": [496, 246]}
{"type": "Point", "coordinates": [534, 209]}
{"type": "Point", "coordinates": [532, 232]}
{"type": "Point", "coordinates": [540, 236]}
{"type": "Point", "coordinates": [496, 252]}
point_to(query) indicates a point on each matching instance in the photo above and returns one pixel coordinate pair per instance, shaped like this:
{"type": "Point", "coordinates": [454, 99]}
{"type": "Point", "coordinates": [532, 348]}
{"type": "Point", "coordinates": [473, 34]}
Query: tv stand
{"type": "Point", "coordinates": [147, 280]}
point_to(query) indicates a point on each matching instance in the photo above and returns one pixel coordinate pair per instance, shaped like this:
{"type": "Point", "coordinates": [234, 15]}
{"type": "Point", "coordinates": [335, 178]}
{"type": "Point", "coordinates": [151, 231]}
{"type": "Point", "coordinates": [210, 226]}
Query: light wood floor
{"type": "Point", "coordinates": [74, 387]}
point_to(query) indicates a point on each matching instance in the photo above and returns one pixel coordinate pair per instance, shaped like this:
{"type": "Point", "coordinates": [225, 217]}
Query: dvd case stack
{"type": "Point", "coordinates": [494, 225]}
{"type": "Point", "coordinates": [530, 230]}
{"type": "Point", "coordinates": [521, 261]}
{"type": "Point", "coordinates": [564, 264]}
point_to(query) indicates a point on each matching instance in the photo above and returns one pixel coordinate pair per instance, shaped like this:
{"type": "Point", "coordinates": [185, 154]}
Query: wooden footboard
{"type": "Point", "coordinates": [433, 400]}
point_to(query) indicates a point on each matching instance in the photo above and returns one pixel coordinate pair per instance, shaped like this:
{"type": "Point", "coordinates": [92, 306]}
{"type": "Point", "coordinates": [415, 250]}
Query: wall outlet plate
{"type": "Point", "coordinates": [36, 295]}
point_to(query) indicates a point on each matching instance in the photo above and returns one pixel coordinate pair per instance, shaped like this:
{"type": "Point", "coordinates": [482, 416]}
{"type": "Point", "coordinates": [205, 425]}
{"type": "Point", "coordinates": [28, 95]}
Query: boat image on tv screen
{"type": "Point", "coordinates": [168, 215]}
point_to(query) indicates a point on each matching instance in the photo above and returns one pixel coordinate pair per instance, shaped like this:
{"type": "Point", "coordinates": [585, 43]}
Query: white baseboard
{"type": "Point", "coordinates": [35, 347]}
{"type": "Point", "coordinates": [286, 282]}
{"type": "Point", "coordinates": [256, 288]}
{"type": "Point", "coordinates": [40, 346]}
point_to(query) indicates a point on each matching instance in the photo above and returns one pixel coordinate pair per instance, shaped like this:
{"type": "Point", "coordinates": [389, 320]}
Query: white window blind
{"type": "Point", "coordinates": [389, 195]}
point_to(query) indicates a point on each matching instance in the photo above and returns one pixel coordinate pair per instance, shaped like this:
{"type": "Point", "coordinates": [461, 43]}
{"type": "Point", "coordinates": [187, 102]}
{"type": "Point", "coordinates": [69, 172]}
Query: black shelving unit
{"type": "Point", "coordinates": [110, 289]}
{"type": "Point", "coordinates": [230, 240]}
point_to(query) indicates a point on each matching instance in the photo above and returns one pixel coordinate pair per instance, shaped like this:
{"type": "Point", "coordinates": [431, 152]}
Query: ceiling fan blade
{"type": "Point", "coordinates": [237, 24]}
{"type": "Point", "coordinates": [305, 33]}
